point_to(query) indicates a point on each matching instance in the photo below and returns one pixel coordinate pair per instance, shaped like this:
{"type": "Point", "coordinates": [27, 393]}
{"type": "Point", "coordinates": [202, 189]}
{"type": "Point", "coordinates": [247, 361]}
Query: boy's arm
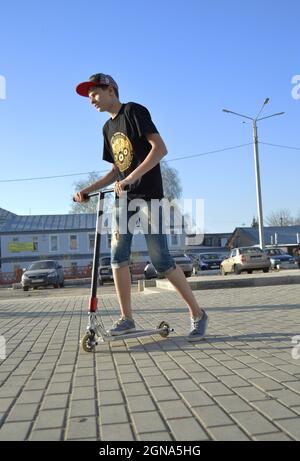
{"type": "Point", "coordinates": [157, 152]}
{"type": "Point", "coordinates": [106, 180]}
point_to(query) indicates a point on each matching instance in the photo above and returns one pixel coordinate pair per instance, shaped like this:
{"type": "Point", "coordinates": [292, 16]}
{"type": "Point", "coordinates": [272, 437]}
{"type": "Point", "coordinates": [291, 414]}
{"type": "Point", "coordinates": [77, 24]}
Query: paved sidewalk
{"type": "Point", "coordinates": [241, 383]}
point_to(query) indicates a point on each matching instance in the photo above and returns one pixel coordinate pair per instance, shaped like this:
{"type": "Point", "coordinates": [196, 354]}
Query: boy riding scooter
{"type": "Point", "coordinates": [134, 147]}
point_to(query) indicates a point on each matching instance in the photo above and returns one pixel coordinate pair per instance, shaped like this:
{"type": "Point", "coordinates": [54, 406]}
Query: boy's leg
{"type": "Point", "coordinates": [120, 259]}
{"type": "Point", "coordinates": [122, 281]}
{"type": "Point", "coordinates": [178, 280]}
{"type": "Point", "coordinates": [159, 252]}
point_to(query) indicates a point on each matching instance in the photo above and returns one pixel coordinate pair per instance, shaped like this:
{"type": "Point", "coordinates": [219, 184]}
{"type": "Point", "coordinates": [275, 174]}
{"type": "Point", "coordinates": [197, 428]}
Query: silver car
{"type": "Point", "coordinates": [105, 271]}
{"type": "Point", "coordinates": [42, 274]}
{"type": "Point", "coordinates": [181, 259]}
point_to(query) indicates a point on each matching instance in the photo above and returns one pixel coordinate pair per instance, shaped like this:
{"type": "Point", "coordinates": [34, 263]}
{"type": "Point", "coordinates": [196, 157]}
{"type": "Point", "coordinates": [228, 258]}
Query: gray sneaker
{"type": "Point", "coordinates": [122, 326]}
{"type": "Point", "coordinates": [198, 328]}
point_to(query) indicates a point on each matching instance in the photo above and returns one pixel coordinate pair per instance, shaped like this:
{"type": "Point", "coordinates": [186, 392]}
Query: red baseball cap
{"type": "Point", "coordinates": [95, 80]}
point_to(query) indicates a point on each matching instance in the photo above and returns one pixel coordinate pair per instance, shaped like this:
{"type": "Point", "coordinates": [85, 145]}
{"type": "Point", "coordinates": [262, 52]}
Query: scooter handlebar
{"type": "Point", "coordinates": [104, 191]}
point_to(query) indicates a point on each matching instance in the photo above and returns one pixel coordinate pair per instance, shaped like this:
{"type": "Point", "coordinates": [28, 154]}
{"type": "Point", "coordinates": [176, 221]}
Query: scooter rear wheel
{"type": "Point", "coordinates": [165, 333]}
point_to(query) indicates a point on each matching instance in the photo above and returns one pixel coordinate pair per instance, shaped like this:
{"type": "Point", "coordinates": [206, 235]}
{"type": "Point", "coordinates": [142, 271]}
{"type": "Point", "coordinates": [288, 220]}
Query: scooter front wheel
{"type": "Point", "coordinates": [88, 343]}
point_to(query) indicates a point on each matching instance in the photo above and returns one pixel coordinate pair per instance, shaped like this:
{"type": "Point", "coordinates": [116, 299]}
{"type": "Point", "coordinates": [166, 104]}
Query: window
{"type": "Point", "coordinates": [73, 242]}
{"type": "Point", "coordinates": [207, 242]}
{"type": "Point", "coordinates": [53, 242]}
{"type": "Point", "coordinates": [108, 240]}
{"type": "Point", "coordinates": [91, 241]}
{"type": "Point", "coordinates": [174, 238]}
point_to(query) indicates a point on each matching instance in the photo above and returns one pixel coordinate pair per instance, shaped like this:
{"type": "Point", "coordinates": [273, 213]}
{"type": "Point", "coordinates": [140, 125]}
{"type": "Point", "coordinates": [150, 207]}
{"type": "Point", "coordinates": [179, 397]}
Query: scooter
{"type": "Point", "coordinates": [95, 329]}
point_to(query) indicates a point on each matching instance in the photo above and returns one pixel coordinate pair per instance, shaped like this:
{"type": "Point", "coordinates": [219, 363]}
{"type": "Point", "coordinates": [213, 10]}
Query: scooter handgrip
{"type": "Point", "coordinates": [85, 197]}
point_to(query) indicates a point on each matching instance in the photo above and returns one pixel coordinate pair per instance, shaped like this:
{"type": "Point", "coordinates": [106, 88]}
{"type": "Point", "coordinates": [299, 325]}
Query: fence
{"type": "Point", "coordinates": [74, 272]}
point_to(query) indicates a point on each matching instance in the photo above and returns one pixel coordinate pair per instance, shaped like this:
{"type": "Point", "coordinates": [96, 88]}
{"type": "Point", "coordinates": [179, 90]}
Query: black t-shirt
{"type": "Point", "coordinates": [126, 145]}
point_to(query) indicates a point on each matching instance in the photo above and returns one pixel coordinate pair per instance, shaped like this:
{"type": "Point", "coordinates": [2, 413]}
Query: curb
{"type": "Point", "coordinates": [220, 282]}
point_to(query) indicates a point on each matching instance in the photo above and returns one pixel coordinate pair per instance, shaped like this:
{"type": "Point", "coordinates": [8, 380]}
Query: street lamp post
{"type": "Point", "coordinates": [257, 170]}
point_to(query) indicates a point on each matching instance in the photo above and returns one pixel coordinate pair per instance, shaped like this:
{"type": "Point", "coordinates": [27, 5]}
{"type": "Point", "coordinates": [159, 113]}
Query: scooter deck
{"type": "Point", "coordinates": [134, 334]}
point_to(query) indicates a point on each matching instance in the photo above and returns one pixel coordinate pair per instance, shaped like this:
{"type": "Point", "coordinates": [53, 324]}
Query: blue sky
{"type": "Point", "coordinates": [185, 61]}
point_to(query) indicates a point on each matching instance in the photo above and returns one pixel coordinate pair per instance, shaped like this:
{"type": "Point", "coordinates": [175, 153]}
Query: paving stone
{"type": "Point", "coordinates": [80, 428]}
{"type": "Point", "coordinates": [140, 403]}
{"type": "Point", "coordinates": [82, 408]}
{"type": "Point", "coordinates": [286, 397]}
{"type": "Point", "coordinates": [59, 388]}
{"type": "Point", "coordinates": [30, 396]}
{"type": "Point", "coordinates": [266, 384]}
{"type": "Point", "coordinates": [111, 397]}
{"type": "Point", "coordinates": [82, 393]}
{"type": "Point", "coordinates": [174, 409]}
{"type": "Point", "coordinates": [197, 398]}
{"type": "Point", "coordinates": [52, 402]}
{"type": "Point", "coordinates": [133, 389]}
{"type": "Point", "coordinates": [116, 432]}
{"type": "Point", "coordinates": [113, 414]}
{"type": "Point", "coordinates": [187, 429]}
{"type": "Point", "coordinates": [149, 421]}
{"type": "Point", "coordinates": [5, 403]}
{"type": "Point", "coordinates": [23, 412]}
{"type": "Point", "coordinates": [232, 403]}
{"type": "Point", "coordinates": [15, 431]}
{"type": "Point", "coordinates": [273, 410]}
{"type": "Point", "coordinates": [291, 427]}
{"type": "Point", "coordinates": [211, 416]}
{"type": "Point", "coordinates": [227, 434]}
{"type": "Point", "coordinates": [50, 419]}
{"type": "Point", "coordinates": [154, 437]}
{"type": "Point", "coordinates": [215, 389]}
{"type": "Point", "coordinates": [250, 393]}
{"type": "Point", "coordinates": [54, 435]}
{"type": "Point", "coordinates": [234, 381]}
{"type": "Point", "coordinates": [253, 423]}
{"type": "Point", "coordinates": [276, 437]}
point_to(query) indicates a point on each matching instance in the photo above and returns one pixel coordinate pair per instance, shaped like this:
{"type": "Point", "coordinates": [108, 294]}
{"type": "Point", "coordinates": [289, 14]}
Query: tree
{"type": "Point", "coordinates": [254, 223]}
{"type": "Point", "coordinates": [91, 205]}
{"type": "Point", "coordinates": [171, 183]}
{"type": "Point", "coordinates": [280, 217]}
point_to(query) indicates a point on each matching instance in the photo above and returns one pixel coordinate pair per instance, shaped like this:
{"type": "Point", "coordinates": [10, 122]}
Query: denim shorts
{"type": "Point", "coordinates": [124, 227]}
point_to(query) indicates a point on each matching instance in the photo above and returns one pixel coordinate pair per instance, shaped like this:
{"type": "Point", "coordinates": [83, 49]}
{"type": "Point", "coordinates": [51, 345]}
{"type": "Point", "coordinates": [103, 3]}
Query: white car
{"type": "Point", "coordinates": [245, 259]}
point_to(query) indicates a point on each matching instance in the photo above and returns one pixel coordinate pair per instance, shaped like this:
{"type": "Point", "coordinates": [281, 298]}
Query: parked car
{"type": "Point", "coordinates": [280, 259]}
{"type": "Point", "coordinates": [105, 271]}
{"type": "Point", "coordinates": [245, 259]}
{"type": "Point", "coordinates": [42, 274]}
{"type": "Point", "coordinates": [208, 261]}
{"type": "Point", "coordinates": [181, 259]}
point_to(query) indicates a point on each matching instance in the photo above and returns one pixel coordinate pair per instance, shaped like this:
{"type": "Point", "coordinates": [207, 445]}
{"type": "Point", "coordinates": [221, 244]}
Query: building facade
{"type": "Point", "coordinates": [65, 238]}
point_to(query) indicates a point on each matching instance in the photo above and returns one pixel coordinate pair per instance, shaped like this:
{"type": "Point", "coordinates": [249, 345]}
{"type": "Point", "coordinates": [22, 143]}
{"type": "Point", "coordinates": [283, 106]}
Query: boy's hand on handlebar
{"type": "Point", "coordinates": [80, 197]}
{"type": "Point", "coordinates": [122, 186]}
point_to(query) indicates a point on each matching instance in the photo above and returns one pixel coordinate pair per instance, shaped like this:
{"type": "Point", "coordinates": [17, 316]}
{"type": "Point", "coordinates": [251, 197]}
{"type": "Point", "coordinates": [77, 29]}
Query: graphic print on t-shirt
{"type": "Point", "coordinates": [122, 151]}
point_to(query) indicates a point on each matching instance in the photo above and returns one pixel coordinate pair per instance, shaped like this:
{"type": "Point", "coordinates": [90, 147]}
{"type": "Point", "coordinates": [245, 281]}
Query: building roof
{"type": "Point", "coordinates": [286, 235]}
{"type": "Point", "coordinates": [53, 223]}
{"type": "Point", "coordinates": [4, 216]}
